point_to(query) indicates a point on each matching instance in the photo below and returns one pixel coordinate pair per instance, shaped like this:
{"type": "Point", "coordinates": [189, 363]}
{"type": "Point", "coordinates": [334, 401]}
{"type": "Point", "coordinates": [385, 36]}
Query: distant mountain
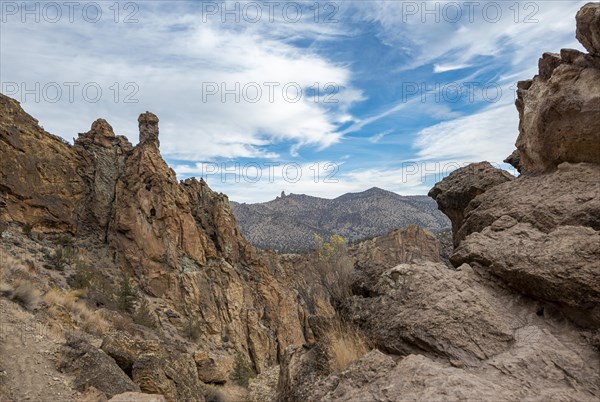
{"type": "Point", "coordinates": [289, 222]}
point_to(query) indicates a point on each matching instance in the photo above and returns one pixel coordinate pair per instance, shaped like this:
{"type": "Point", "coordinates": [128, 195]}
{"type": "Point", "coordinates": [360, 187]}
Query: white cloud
{"type": "Point", "coordinates": [173, 68]}
{"type": "Point", "coordinates": [378, 137]}
{"type": "Point", "coordinates": [487, 135]}
{"type": "Point", "coordinates": [438, 68]}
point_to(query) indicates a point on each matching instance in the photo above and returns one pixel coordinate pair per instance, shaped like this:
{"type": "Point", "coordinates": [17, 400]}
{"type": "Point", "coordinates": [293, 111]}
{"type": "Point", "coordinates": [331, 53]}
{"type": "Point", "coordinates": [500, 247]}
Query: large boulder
{"type": "Point", "coordinates": [588, 27]}
{"type": "Point", "coordinates": [455, 192]}
{"type": "Point", "coordinates": [92, 367]}
{"type": "Point", "coordinates": [214, 366]}
{"type": "Point", "coordinates": [541, 368]}
{"type": "Point", "coordinates": [174, 376]}
{"type": "Point", "coordinates": [561, 266]}
{"type": "Point", "coordinates": [426, 307]}
{"type": "Point", "coordinates": [559, 109]}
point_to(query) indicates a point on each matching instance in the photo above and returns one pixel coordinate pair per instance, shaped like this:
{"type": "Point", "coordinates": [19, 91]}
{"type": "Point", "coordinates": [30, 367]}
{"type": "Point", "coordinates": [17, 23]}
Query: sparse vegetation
{"type": "Point", "coordinates": [27, 228]}
{"type": "Point", "coordinates": [82, 279]}
{"type": "Point", "coordinates": [22, 292]}
{"type": "Point", "coordinates": [89, 320]}
{"type": "Point", "coordinates": [242, 372]}
{"type": "Point", "coordinates": [335, 267]}
{"type": "Point", "coordinates": [346, 344]}
{"type": "Point", "coordinates": [144, 316]}
{"type": "Point", "coordinates": [126, 296]}
{"type": "Point", "coordinates": [59, 259]}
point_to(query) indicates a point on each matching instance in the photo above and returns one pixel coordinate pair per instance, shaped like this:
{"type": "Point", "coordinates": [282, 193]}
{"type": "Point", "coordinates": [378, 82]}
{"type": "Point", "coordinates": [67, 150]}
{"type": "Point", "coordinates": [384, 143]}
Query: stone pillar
{"type": "Point", "coordinates": [148, 125]}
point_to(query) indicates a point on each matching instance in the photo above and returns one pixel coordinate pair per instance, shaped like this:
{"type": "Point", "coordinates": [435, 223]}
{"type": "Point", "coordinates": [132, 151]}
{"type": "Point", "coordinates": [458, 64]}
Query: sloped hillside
{"type": "Point", "coordinates": [289, 222]}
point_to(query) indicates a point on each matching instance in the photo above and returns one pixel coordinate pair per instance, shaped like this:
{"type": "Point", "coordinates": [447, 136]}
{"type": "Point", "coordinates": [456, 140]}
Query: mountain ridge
{"type": "Point", "coordinates": [289, 222]}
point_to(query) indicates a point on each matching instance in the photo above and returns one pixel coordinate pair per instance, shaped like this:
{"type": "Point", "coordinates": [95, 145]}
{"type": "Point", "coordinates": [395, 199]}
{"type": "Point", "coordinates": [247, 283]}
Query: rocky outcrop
{"type": "Point", "coordinates": [175, 377]}
{"type": "Point", "coordinates": [102, 163]}
{"type": "Point", "coordinates": [539, 232]}
{"type": "Point", "coordinates": [455, 192]}
{"type": "Point", "coordinates": [93, 368]}
{"type": "Point", "coordinates": [588, 28]}
{"type": "Point", "coordinates": [179, 240]}
{"type": "Point", "coordinates": [425, 307]}
{"type": "Point", "coordinates": [378, 377]}
{"type": "Point", "coordinates": [214, 367]}
{"type": "Point", "coordinates": [561, 266]}
{"type": "Point", "coordinates": [39, 183]}
{"type": "Point", "coordinates": [559, 108]}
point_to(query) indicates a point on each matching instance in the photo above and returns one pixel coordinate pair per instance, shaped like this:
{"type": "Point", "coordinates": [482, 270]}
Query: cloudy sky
{"type": "Point", "coordinates": [258, 97]}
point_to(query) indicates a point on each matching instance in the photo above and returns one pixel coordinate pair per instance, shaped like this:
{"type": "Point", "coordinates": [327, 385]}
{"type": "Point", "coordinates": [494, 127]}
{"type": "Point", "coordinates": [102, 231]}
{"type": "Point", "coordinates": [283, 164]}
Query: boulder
{"type": "Point", "coordinates": [561, 266]}
{"type": "Point", "coordinates": [455, 192]}
{"type": "Point", "coordinates": [214, 367]}
{"type": "Point", "coordinates": [92, 367]}
{"type": "Point", "coordinates": [426, 307]}
{"type": "Point", "coordinates": [588, 27]}
{"type": "Point", "coordinates": [174, 376]}
{"type": "Point", "coordinates": [137, 397]}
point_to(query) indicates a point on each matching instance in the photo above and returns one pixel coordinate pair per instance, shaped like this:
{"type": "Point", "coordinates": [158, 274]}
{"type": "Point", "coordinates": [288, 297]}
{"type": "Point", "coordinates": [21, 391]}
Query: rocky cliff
{"type": "Point", "coordinates": [178, 241]}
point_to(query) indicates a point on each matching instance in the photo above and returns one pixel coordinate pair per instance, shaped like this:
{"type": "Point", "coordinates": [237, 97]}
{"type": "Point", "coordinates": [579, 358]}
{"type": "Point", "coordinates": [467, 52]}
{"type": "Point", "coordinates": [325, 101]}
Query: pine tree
{"type": "Point", "coordinates": [126, 296]}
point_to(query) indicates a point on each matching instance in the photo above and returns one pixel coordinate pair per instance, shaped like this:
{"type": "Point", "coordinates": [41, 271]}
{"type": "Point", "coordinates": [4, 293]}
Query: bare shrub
{"type": "Point", "coordinates": [23, 292]}
{"type": "Point", "coordinates": [89, 320]}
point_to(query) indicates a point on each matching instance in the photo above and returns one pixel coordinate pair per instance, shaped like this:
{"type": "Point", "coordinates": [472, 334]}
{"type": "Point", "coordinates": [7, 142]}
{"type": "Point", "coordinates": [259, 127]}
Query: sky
{"type": "Point", "coordinates": [259, 97]}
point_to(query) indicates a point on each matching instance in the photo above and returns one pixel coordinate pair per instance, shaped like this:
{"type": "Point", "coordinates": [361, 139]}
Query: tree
{"type": "Point", "coordinates": [144, 316]}
{"type": "Point", "coordinates": [126, 296]}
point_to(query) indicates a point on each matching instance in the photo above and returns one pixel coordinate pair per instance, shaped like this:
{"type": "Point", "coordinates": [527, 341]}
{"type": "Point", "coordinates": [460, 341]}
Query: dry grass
{"type": "Point", "coordinates": [346, 344]}
{"type": "Point", "coordinates": [15, 283]}
{"type": "Point", "coordinates": [89, 320]}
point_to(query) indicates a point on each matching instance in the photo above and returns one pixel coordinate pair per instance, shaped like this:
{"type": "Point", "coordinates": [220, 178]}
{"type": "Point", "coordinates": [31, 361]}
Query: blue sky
{"type": "Point", "coordinates": [407, 90]}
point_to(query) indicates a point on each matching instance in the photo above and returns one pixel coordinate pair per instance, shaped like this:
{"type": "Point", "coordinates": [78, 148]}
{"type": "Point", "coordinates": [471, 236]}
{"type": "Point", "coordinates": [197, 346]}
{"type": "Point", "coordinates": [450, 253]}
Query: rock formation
{"type": "Point", "coordinates": [539, 232]}
{"type": "Point", "coordinates": [559, 108]}
{"type": "Point", "coordinates": [178, 239]}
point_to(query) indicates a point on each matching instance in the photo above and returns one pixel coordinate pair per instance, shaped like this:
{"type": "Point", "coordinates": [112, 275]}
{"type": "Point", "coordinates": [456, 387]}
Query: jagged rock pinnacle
{"type": "Point", "coordinates": [148, 125]}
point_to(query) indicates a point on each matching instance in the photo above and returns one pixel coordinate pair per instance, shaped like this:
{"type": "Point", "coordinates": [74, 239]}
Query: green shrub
{"type": "Point", "coordinates": [126, 296]}
{"type": "Point", "coordinates": [82, 279]}
{"type": "Point", "coordinates": [27, 228]}
{"type": "Point", "coordinates": [59, 259]}
{"type": "Point", "coordinates": [144, 316]}
{"type": "Point", "coordinates": [242, 372]}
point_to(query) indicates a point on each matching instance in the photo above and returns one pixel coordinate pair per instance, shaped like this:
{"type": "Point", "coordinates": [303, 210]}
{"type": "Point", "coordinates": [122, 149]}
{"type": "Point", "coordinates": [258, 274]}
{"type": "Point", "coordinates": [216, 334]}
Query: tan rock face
{"type": "Point", "coordinates": [455, 192]}
{"type": "Point", "coordinates": [214, 367]}
{"type": "Point", "coordinates": [428, 307]}
{"type": "Point", "coordinates": [559, 109]}
{"type": "Point", "coordinates": [540, 235]}
{"type": "Point", "coordinates": [179, 239]}
{"type": "Point", "coordinates": [588, 27]}
{"type": "Point", "coordinates": [38, 173]}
